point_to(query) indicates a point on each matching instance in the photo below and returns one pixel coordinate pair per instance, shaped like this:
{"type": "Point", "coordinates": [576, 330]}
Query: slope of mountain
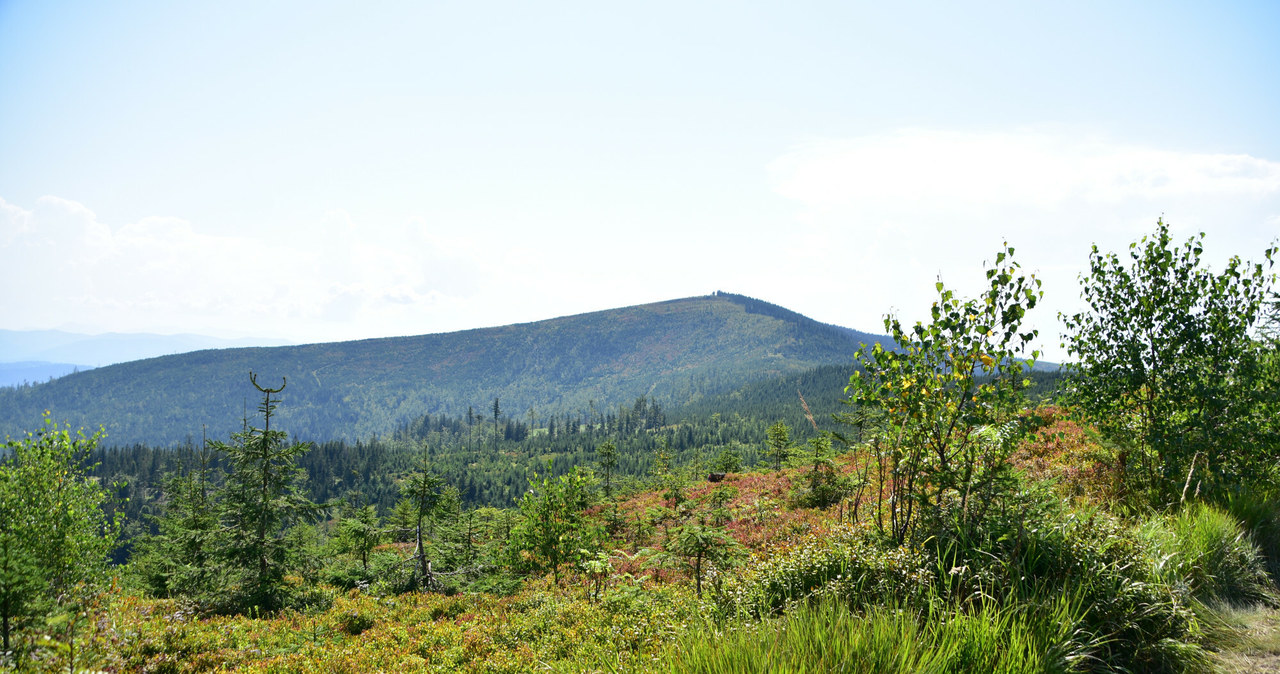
{"type": "Point", "coordinates": [675, 351]}
{"type": "Point", "coordinates": [58, 346]}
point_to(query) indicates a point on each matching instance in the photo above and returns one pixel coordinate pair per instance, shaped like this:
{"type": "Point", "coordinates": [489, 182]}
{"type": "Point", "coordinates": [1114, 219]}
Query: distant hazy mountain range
{"type": "Point", "coordinates": [33, 356]}
{"type": "Point", "coordinates": [58, 346]}
{"type": "Point", "coordinates": [35, 371]}
{"type": "Point", "coordinates": [675, 351]}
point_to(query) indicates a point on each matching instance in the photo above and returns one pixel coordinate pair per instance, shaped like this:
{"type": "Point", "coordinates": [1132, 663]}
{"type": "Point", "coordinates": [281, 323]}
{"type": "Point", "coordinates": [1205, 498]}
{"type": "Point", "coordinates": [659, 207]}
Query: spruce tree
{"type": "Point", "coordinates": [701, 545]}
{"type": "Point", "coordinates": [262, 497]}
{"type": "Point", "coordinates": [607, 454]}
{"type": "Point", "coordinates": [471, 420]}
{"type": "Point", "coordinates": [779, 442]}
{"type": "Point", "coordinates": [180, 559]}
{"type": "Point", "coordinates": [423, 493]}
{"type": "Point", "coordinates": [496, 411]}
{"type": "Point", "coordinates": [359, 532]}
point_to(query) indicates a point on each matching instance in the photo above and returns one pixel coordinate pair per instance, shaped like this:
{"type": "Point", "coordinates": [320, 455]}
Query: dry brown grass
{"type": "Point", "coordinates": [1258, 651]}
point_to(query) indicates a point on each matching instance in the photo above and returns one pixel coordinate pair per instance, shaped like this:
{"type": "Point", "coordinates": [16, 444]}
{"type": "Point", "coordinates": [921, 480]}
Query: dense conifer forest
{"type": "Point", "coordinates": [462, 453]}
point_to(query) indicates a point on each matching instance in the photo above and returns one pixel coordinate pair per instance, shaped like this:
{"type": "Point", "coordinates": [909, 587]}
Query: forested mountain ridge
{"type": "Point", "coordinates": [675, 351]}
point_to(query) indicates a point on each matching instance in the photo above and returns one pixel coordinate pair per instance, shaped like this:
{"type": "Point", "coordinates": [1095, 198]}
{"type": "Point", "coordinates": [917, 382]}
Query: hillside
{"type": "Point", "coordinates": [676, 352]}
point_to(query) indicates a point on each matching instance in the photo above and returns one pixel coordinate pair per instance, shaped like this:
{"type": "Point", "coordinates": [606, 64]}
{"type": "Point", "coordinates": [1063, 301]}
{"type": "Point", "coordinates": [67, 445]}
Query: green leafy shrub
{"type": "Point", "coordinates": [355, 622]}
{"type": "Point", "coordinates": [551, 530]}
{"type": "Point", "coordinates": [312, 599]}
{"type": "Point", "coordinates": [382, 574]}
{"type": "Point", "coordinates": [54, 538]}
{"type": "Point", "coordinates": [840, 564]}
{"type": "Point", "coordinates": [1167, 365]}
{"type": "Point", "coordinates": [941, 401]}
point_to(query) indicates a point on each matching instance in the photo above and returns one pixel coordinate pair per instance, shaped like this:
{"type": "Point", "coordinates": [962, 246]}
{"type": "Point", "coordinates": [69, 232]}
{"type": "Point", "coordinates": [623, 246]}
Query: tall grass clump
{"type": "Point", "coordinates": [1022, 558]}
{"type": "Point", "coordinates": [1206, 552]}
{"type": "Point", "coordinates": [1128, 618]}
{"type": "Point", "coordinates": [830, 637]}
{"type": "Point", "coordinates": [1258, 510]}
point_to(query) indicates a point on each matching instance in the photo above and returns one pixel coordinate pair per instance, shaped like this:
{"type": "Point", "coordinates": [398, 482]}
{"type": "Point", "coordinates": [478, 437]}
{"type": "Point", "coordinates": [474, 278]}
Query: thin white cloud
{"type": "Point", "coordinates": [14, 222]}
{"type": "Point", "coordinates": [66, 267]}
{"type": "Point", "coordinates": [949, 168]}
{"type": "Point", "coordinates": [905, 206]}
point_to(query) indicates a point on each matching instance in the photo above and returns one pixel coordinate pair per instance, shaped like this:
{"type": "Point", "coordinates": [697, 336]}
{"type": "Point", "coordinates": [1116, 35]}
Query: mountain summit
{"type": "Point", "coordinates": [674, 351]}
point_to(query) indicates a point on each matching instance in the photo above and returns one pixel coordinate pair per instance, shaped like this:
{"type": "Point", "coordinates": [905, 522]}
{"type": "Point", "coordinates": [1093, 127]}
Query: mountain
{"type": "Point", "coordinates": [35, 371]}
{"type": "Point", "coordinates": [58, 346]}
{"type": "Point", "coordinates": [676, 352]}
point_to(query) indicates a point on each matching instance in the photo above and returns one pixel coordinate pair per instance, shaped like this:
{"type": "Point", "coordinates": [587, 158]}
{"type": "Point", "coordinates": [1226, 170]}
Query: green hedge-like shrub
{"type": "Point", "coordinates": [840, 564]}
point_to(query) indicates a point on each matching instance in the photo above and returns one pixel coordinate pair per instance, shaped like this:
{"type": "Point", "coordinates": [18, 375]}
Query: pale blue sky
{"type": "Point", "coordinates": [318, 171]}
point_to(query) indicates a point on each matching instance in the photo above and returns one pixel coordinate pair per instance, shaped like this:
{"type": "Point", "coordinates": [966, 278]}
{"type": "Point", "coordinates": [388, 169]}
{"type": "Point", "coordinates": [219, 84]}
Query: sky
{"type": "Point", "coordinates": [319, 171]}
